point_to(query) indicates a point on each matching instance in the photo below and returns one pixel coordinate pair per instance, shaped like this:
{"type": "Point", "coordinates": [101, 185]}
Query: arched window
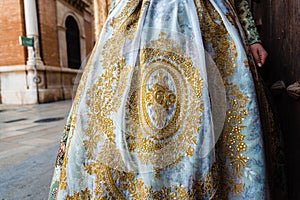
{"type": "Point", "coordinates": [73, 43]}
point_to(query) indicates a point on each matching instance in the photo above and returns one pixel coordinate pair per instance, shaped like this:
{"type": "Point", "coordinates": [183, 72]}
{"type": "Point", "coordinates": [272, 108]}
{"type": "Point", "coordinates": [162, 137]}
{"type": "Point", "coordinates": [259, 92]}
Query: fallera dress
{"type": "Point", "coordinates": [169, 106]}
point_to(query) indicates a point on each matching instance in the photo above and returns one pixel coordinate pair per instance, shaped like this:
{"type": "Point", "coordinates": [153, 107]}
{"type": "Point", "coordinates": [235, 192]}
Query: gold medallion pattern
{"type": "Point", "coordinates": [167, 72]}
{"type": "Point", "coordinates": [160, 99]}
{"type": "Point", "coordinates": [162, 116]}
{"type": "Point", "coordinates": [163, 76]}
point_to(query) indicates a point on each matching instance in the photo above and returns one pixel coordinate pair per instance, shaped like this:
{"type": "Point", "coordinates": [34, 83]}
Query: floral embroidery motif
{"type": "Point", "coordinates": [225, 57]}
{"type": "Point", "coordinates": [160, 99]}
{"type": "Point", "coordinates": [83, 194]}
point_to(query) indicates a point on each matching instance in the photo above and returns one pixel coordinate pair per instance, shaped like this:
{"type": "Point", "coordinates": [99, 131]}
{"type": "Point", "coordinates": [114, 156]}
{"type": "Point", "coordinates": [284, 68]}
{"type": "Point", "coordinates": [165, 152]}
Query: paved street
{"type": "Point", "coordinates": [29, 137]}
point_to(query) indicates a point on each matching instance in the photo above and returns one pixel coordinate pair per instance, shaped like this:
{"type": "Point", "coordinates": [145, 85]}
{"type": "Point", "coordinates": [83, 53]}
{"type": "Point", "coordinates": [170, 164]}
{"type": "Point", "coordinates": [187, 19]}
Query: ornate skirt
{"type": "Point", "coordinates": [166, 109]}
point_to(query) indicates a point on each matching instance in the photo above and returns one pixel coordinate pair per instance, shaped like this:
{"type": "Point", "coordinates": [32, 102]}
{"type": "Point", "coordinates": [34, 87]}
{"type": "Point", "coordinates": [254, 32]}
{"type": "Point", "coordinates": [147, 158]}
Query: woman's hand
{"type": "Point", "coordinates": [259, 53]}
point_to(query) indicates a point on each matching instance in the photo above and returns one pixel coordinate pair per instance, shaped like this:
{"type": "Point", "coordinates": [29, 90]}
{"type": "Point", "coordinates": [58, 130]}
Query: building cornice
{"type": "Point", "coordinates": [78, 4]}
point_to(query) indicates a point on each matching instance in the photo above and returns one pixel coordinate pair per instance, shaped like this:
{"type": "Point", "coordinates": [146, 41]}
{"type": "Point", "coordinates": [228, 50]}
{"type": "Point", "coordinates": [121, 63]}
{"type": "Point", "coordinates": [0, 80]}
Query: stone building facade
{"type": "Point", "coordinates": [64, 35]}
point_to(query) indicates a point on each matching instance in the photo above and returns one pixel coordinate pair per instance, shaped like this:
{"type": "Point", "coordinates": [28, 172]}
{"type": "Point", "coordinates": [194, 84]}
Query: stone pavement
{"type": "Point", "coordinates": [29, 138]}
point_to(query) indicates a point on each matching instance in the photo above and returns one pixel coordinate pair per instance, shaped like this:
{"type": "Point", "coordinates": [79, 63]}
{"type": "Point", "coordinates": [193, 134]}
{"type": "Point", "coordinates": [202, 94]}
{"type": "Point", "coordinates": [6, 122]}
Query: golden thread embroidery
{"type": "Point", "coordinates": [225, 58]}
{"type": "Point", "coordinates": [136, 188]}
{"type": "Point", "coordinates": [82, 195]}
{"type": "Point", "coordinates": [176, 137]}
{"type": "Point", "coordinates": [161, 99]}
{"type": "Point", "coordinates": [63, 179]}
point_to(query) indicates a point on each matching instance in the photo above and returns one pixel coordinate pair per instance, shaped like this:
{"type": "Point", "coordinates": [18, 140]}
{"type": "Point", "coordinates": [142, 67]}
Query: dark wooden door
{"type": "Point", "coordinates": [279, 24]}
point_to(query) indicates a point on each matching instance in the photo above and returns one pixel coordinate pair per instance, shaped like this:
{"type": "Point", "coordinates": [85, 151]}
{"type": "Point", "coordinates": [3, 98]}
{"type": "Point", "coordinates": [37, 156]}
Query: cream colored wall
{"type": "Point", "coordinates": [101, 9]}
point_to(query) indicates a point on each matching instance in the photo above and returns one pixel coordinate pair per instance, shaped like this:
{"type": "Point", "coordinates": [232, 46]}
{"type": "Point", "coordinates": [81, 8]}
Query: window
{"type": "Point", "coordinates": [73, 43]}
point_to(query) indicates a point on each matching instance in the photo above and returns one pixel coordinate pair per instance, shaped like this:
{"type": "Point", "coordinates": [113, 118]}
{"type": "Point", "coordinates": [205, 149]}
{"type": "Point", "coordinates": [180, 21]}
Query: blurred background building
{"type": "Point", "coordinates": [64, 33]}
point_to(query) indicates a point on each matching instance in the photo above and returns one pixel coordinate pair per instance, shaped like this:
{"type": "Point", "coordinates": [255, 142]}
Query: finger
{"type": "Point", "coordinates": [257, 57]}
{"type": "Point", "coordinates": [263, 56]}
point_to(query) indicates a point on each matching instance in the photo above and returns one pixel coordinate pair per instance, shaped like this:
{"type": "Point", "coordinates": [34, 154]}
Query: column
{"type": "Point", "coordinates": [34, 60]}
{"type": "Point", "coordinates": [31, 24]}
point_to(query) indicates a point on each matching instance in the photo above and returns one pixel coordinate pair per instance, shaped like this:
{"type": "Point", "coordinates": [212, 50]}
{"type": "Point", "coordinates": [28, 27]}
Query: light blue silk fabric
{"type": "Point", "coordinates": [166, 109]}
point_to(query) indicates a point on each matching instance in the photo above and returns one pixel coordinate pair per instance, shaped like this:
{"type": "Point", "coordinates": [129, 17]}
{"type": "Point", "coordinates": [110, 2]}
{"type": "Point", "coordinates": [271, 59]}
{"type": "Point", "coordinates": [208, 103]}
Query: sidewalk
{"type": "Point", "coordinates": [29, 138]}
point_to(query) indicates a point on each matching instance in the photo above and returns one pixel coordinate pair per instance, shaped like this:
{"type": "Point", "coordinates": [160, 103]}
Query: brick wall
{"type": "Point", "coordinates": [48, 32]}
{"type": "Point", "coordinates": [12, 26]}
